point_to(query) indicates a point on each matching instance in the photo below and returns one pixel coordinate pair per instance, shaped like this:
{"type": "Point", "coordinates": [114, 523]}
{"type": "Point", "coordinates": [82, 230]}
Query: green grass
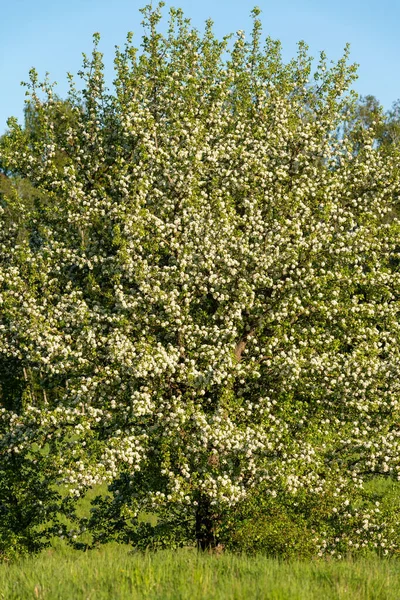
{"type": "Point", "coordinates": [115, 573]}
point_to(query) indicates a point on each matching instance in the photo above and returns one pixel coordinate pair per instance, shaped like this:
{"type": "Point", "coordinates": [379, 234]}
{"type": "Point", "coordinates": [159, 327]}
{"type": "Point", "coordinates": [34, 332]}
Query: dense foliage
{"type": "Point", "coordinates": [199, 296]}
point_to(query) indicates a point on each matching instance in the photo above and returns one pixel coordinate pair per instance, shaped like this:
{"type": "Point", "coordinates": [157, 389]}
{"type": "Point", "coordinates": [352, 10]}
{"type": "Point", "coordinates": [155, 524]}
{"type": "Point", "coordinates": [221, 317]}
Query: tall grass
{"type": "Point", "coordinates": [115, 573]}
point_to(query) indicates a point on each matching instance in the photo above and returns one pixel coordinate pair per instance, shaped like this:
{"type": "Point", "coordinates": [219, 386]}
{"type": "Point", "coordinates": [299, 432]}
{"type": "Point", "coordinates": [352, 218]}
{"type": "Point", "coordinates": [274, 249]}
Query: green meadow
{"type": "Point", "coordinates": [114, 572]}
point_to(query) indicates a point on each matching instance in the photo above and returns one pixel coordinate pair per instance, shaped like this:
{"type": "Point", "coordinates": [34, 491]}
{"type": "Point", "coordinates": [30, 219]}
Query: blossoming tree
{"type": "Point", "coordinates": [199, 288]}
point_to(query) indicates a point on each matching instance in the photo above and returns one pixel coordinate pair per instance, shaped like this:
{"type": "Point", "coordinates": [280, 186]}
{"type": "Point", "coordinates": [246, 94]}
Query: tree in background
{"type": "Point", "coordinates": [368, 113]}
{"type": "Point", "coordinates": [203, 294]}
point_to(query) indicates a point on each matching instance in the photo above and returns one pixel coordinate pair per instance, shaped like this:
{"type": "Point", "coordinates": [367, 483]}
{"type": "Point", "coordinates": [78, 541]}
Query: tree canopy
{"type": "Point", "coordinates": [199, 297]}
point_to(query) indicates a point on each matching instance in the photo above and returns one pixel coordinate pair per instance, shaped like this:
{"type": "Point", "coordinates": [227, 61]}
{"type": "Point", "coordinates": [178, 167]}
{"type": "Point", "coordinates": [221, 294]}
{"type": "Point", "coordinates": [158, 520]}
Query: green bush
{"type": "Point", "coordinates": [308, 525]}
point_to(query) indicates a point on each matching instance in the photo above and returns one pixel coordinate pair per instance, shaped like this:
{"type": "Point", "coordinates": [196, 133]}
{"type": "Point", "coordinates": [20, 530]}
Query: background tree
{"type": "Point", "coordinates": [368, 113]}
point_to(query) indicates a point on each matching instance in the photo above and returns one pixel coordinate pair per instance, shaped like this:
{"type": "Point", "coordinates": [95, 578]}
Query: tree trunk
{"type": "Point", "coordinates": [205, 534]}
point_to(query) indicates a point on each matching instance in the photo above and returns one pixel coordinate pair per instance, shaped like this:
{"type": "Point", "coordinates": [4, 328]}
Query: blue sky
{"type": "Point", "coordinates": [51, 36]}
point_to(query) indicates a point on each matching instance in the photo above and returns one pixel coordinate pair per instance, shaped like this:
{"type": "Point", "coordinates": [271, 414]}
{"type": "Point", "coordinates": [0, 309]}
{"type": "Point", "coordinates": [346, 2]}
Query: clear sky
{"type": "Point", "coordinates": [51, 35]}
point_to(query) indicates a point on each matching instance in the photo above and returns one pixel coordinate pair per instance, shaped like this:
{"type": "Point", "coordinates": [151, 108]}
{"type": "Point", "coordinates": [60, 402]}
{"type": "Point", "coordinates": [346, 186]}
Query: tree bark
{"type": "Point", "coordinates": [241, 345]}
{"type": "Point", "coordinates": [205, 533]}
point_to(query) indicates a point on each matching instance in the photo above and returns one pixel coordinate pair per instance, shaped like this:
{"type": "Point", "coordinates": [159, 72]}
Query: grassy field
{"type": "Point", "coordinates": [114, 573]}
